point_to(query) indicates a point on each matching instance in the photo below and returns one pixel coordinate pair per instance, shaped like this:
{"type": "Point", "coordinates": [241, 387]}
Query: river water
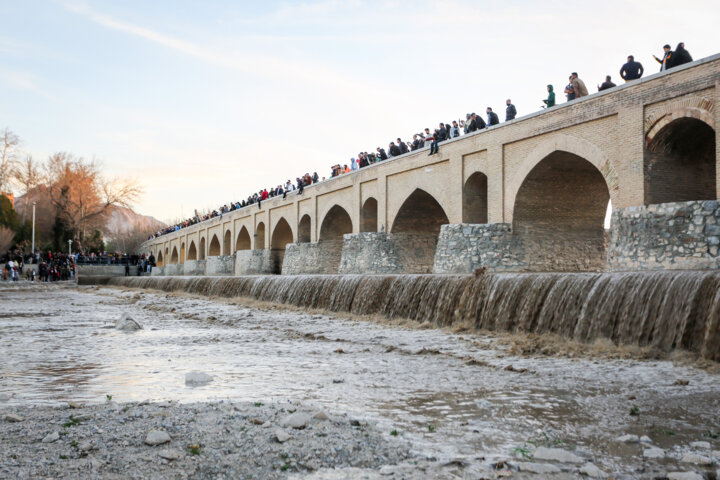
{"type": "Point", "coordinates": [452, 395]}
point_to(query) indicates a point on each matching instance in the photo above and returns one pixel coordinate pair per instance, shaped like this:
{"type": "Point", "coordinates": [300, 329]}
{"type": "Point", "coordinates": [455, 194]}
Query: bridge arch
{"type": "Point", "coordinates": [192, 251]}
{"type": "Point", "coordinates": [304, 229]}
{"type": "Point", "coordinates": [159, 260]}
{"type": "Point", "coordinates": [368, 216]}
{"type": "Point", "coordinates": [202, 249]}
{"type": "Point", "coordinates": [243, 240]}
{"type": "Point", "coordinates": [475, 199]}
{"type": "Point", "coordinates": [227, 243]}
{"type": "Point", "coordinates": [174, 256]}
{"type": "Point", "coordinates": [559, 213]}
{"type": "Point", "coordinates": [260, 236]}
{"type": "Point", "coordinates": [281, 236]}
{"type": "Point", "coordinates": [182, 252]}
{"type": "Point", "coordinates": [680, 157]}
{"type": "Point", "coordinates": [214, 249]}
{"type": "Point", "coordinates": [335, 224]}
{"type": "Point", "coordinates": [420, 213]}
{"type": "Point", "coordinates": [565, 143]}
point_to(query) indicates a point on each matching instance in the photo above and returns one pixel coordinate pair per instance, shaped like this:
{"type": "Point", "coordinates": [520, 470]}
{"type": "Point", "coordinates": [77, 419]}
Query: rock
{"type": "Point", "coordinates": [197, 378]}
{"type": "Point", "coordinates": [321, 416]}
{"type": "Point", "coordinates": [556, 455]}
{"type": "Point", "coordinates": [74, 405]}
{"type": "Point", "coordinates": [127, 323]}
{"type": "Point", "coordinates": [646, 439]}
{"type": "Point", "coordinates": [593, 471]}
{"type": "Point", "coordinates": [684, 476]}
{"type": "Point", "coordinates": [51, 437]}
{"type": "Point", "coordinates": [654, 453]}
{"type": "Point", "coordinates": [12, 418]}
{"type": "Point", "coordinates": [86, 446]}
{"type": "Point", "coordinates": [297, 420]}
{"type": "Point", "coordinates": [169, 454]}
{"type": "Point", "coordinates": [281, 435]}
{"type": "Point", "coordinates": [157, 437]}
{"type": "Point", "coordinates": [681, 382]}
{"type": "Point", "coordinates": [629, 438]}
{"type": "Point", "coordinates": [696, 459]}
{"type": "Point", "coordinates": [700, 445]}
{"type": "Point", "coordinates": [542, 468]}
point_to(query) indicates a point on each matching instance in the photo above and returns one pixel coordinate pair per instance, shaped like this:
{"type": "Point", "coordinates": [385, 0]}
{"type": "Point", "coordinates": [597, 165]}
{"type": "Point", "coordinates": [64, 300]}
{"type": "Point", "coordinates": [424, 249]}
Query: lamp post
{"type": "Point", "coordinates": [33, 232]}
{"type": "Point", "coordinates": [69, 247]}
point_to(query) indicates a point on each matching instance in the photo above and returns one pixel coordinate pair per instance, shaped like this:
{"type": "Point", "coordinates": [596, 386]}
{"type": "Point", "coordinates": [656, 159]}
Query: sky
{"type": "Point", "coordinates": [207, 102]}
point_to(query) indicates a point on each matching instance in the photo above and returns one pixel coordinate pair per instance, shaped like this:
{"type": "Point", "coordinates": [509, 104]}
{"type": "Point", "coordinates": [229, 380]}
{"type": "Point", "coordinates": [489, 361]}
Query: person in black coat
{"type": "Point", "coordinates": [510, 111]}
{"type": "Point", "coordinates": [403, 146]}
{"type": "Point", "coordinates": [492, 118]}
{"type": "Point", "coordinates": [381, 152]}
{"type": "Point", "coordinates": [680, 57]}
{"type": "Point", "coordinates": [632, 70]}
{"type": "Point", "coordinates": [394, 150]}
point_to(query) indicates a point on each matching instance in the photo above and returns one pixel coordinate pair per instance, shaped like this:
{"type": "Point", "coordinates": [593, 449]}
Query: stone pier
{"type": "Point", "coordinates": [382, 253]}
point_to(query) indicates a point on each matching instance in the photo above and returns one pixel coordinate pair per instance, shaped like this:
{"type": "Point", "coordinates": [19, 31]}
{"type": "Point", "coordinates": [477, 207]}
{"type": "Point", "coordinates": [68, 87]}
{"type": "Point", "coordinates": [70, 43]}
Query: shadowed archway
{"type": "Point", "coordinates": [174, 256]}
{"type": "Point", "coordinates": [281, 236]}
{"type": "Point", "coordinates": [336, 223]}
{"type": "Point", "coordinates": [214, 250]}
{"type": "Point", "coordinates": [243, 240]}
{"type": "Point", "coordinates": [192, 251]}
{"type": "Point", "coordinates": [182, 253]}
{"type": "Point", "coordinates": [420, 213]}
{"type": "Point", "coordinates": [202, 249]}
{"type": "Point", "coordinates": [260, 236]}
{"type": "Point", "coordinates": [368, 217]}
{"type": "Point", "coordinates": [227, 243]}
{"type": "Point", "coordinates": [304, 228]}
{"type": "Point", "coordinates": [475, 199]}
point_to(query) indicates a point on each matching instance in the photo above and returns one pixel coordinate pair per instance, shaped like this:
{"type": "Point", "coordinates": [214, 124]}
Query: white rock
{"type": "Point", "coordinates": [197, 378]}
{"type": "Point", "coordinates": [281, 435]}
{"type": "Point", "coordinates": [700, 445]}
{"type": "Point", "coordinates": [556, 455]}
{"type": "Point", "coordinates": [12, 418]}
{"type": "Point", "coordinates": [157, 437]}
{"type": "Point", "coordinates": [684, 476]}
{"type": "Point", "coordinates": [296, 420]}
{"type": "Point", "coordinates": [654, 453]}
{"type": "Point", "coordinates": [86, 446]}
{"type": "Point", "coordinates": [127, 323]}
{"type": "Point", "coordinates": [51, 437]}
{"type": "Point", "coordinates": [646, 439]}
{"type": "Point", "coordinates": [696, 459]}
{"type": "Point", "coordinates": [169, 454]}
{"type": "Point", "coordinates": [321, 416]}
{"type": "Point", "coordinates": [629, 438]}
{"type": "Point", "coordinates": [593, 471]}
{"type": "Point", "coordinates": [538, 467]}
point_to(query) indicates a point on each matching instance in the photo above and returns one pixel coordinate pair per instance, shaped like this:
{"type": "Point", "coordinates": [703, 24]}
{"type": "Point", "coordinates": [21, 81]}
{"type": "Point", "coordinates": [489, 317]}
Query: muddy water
{"type": "Point", "coordinates": [451, 395]}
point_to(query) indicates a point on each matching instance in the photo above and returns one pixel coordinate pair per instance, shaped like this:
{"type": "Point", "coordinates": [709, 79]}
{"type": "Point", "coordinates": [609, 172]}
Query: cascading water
{"type": "Point", "coordinates": [664, 309]}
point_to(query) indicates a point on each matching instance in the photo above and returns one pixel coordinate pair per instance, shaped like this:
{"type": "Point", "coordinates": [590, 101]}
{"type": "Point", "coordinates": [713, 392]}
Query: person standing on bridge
{"type": "Point", "coordinates": [510, 111]}
{"type": "Point", "coordinates": [606, 84]}
{"type": "Point", "coordinates": [570, 90]}
{"type": "Point", "coordinates": [492, 118]}
{"type": "Point", "coordinates": [578, 86]}
{"type": "Point", "coordinates": [665, 61]}
{"type": "Point", "coordinates": [632, 70]}
{"type": "Point", "coordinates": [681, 56]}
{"type": "Point", "coordinates": [550, 100]}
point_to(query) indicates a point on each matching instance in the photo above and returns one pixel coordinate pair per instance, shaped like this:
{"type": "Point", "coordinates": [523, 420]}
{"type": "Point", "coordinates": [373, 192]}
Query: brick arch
{"type": "Point", "coordinates": [368, 215]}
{"type": "Point", "coordinates": [214, 248]}
{"type": "Point", "coordinates": [202, 252]}
{"type": "Point", "coordinates": [174, 256]}
{"type": "Point", "coordinates": [243, 240]}
{"type": "Point", "coordinates": [182, 252]}
{"type": "Point", "coordinates": [281, 219]}
{"type": "Point", "coordinates": [561, 143]}
{"type": "Point", "coordinates": [227, 243]}
{"type": "Point", "coordinates": [420, 213]}
{"type": "Point", "coordinates": [700, 108]}
{"type": "Point", "coordinates": [335, 224]}
{"type": "Point", "coordinates": [324, 211]}
{"type": "Point", "coordinates": [304, 229]}
{"type": "Point", "coordinates": [430, 180]}
{"type": "Point", "coordinates": [192, 251]}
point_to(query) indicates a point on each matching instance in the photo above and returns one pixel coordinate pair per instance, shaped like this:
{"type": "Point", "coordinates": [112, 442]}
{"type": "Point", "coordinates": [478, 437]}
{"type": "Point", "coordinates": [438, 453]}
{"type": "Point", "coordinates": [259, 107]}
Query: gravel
{"type": "Point", "coordinates": [203, 440]}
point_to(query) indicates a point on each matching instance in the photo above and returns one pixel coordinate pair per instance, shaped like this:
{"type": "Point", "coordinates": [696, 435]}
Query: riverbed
{"type": "Point", "coordinates": [464, 406]}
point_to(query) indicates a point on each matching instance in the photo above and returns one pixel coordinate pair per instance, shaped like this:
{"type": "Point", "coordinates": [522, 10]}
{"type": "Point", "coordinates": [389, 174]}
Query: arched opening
{"type": "Point", "coordinates": [192, 251]}
{"type": "Point", "coordinates": [243, 240]}
{"type": "Point", "coordinates": [227, 243]}
{"type": "Point", "coordinates": [336, 223]}
{"type": "Point", "coordinates": [174, 256]}
{"type": "Point", "coordinates": [420, 214]}
{"type": "Point", "coordinates": [559, 215]}
{"type": "Point", "coordinates": [159, 259]}
{"type": "Point", "coordinates": [368, 219]}
{"type": "Point", "coordinates": [281, 236]}
{"type": "Point", "coordinates": [475, 199]}
{"type": "Point", "coordinates": [182, 253]}
{"type": "Point", "coordinates": [304, 229]}
{"type": "Point", "coordinates": [214, 250]}
{"type": "Point", "coordinates": [202, 248]}
{"type": "Point", "coordinates": [680, 164]}
{"type": "Point", "coordinates": [260, 236]}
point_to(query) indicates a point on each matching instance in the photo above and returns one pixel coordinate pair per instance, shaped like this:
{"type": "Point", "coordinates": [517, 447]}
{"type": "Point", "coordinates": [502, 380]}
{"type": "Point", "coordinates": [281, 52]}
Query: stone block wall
{"type": "Point", "coordinates": [312, 258]}
{"type": "Point", "coordinates": [194, 267]}
{"type": "Point", "coordinates": [253, 262]}
{"type": "Point", "coordinates": [220, 265]}
{"type": "Point", "coordinates": [382, 253]}
{"type": "Point", "coordinates": [679, 235]}
{"type": "Point", "coordinates": [464, 247]}
{"type": "Point", "coordinates": [173, 269]}
{"type": "Point", "coordinates": [157, 272]}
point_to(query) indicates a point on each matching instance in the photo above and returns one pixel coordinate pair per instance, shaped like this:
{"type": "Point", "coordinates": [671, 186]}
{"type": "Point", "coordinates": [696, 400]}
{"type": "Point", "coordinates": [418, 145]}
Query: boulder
{"type": "Point", "coordinates": [197, 378]}
{"type": "Point", "coordinates": [157, 437]}
{"type": "Point", "coordinates": [127, 323]}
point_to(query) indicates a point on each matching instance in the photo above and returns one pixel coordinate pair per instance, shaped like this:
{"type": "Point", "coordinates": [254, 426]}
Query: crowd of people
{"type": "Point", "coordinates": [44, 267]}
{"type": "Point", "coordinates": [576, 88]}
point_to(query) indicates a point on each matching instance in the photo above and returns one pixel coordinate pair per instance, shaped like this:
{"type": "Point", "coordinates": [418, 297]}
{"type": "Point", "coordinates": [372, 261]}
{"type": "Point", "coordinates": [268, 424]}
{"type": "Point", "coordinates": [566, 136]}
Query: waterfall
{"type": "Point", "coordinates": [661, 309]}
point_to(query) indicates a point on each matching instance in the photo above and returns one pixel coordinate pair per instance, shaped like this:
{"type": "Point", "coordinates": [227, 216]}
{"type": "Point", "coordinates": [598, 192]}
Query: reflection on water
{"type": "Point", "coordinates": [56, 348]}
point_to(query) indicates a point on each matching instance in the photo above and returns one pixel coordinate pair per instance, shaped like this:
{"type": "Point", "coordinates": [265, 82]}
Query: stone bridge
{"type": "Point", "coordinates": [526, 195]}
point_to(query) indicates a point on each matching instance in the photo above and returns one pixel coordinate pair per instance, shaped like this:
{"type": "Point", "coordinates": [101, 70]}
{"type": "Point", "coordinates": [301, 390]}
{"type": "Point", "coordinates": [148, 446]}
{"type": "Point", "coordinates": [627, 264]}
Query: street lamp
{"type": "Point", "coordinates": [33, 232]}
{"type": "Point", "coordinates": [69, 247]}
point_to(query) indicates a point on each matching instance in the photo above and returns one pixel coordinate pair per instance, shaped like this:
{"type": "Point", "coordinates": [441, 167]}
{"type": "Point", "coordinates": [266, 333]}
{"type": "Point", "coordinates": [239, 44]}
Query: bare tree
{"type": "Point", "coordinates": [27, 174]}
{"type": "Point", "coordinates": [8, 157]}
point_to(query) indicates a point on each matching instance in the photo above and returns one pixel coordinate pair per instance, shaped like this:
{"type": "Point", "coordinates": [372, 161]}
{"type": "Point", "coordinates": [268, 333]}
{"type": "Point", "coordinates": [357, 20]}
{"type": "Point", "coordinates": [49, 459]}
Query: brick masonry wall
{"type": "Point", "coordinates": [464, 247]}
{"type": "Point", "coordinates": [312, 258]}
{"type": "Point", "coordinates": [194, 267]}
{"type": "Point", "coordinates": [681, 235]}
{"type": "Point", "coordinates": [220, 265]}
{"type": "Point", "coordinates": [253, 262]}
{"type": "Point", "coordinates": [382, 253]}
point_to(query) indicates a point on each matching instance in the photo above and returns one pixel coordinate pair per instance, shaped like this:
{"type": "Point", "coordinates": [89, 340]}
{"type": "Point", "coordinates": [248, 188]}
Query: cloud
{"type": "Point", "coordinates": [25, 81]}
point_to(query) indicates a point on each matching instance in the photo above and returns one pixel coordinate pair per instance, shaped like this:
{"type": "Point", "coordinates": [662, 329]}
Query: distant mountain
{"type": "Point", "coordinates": [123, 220]}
